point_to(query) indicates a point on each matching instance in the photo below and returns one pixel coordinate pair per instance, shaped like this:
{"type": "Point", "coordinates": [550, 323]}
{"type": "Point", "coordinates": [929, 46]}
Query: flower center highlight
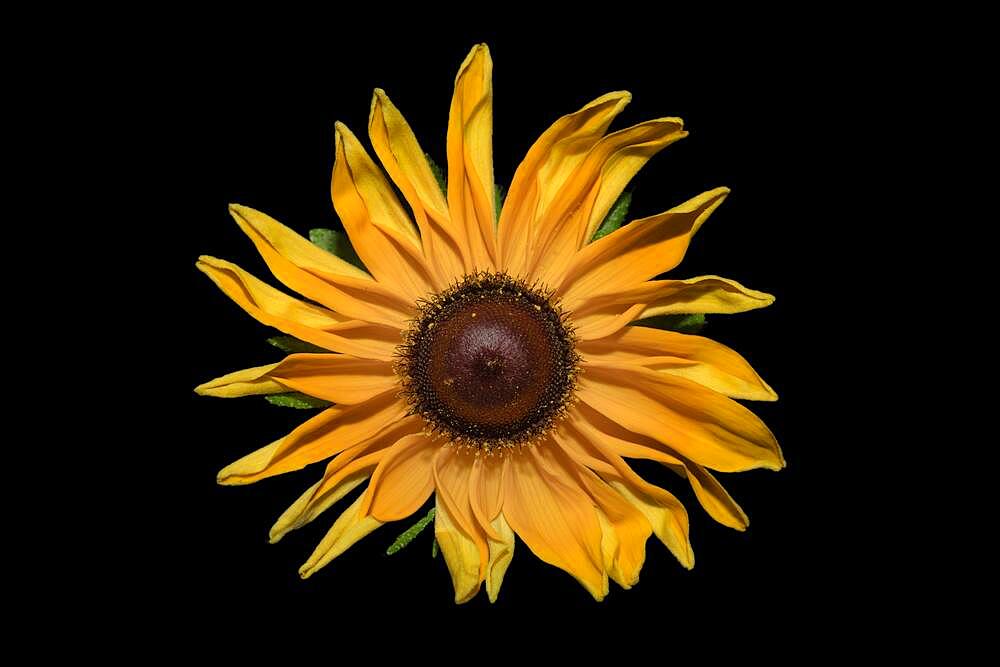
{"type": "Point", "coordinates": [489, 363]}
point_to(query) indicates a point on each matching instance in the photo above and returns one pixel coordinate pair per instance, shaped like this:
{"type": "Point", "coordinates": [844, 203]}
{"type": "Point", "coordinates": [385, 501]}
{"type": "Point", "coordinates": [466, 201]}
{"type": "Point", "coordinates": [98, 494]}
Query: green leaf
{"type": "Point", "coordinates": [434, 549]}
{"type": "Point", "coordinates": [294, 399]}
{"type": "Point", "coordinates": [336, 243]}
{"type": "Point", "coordinates": [684, 323]}
{"type": "Point", "coordinates": [292, 345]}
{"type": "Point", "coordinates": [438, 173]}
{"type": "Point", "coordinates": [498, 197]}
{"type": "Point", "coordinates": [410, 533]}
{"type": "Point", "coordinates": [615, 217]}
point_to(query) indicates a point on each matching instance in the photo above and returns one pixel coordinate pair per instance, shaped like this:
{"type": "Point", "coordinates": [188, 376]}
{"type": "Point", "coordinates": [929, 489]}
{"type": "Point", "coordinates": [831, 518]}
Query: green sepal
{"type": "Point", "coordinates": [438, 172]}
{"type": "Point", "coordinates": [498, 197]}
{"type": "Point", "coordinates": [615, 217]}
{"type": "Point", "coordinates": [293, 345]}
{"type": "Point", "coordinates": [407, 536]}
{"type": "Point", "coordinates": [336, 243]}
{"type": "Point", "coordinates": [434, 549]}
{"type": "Point", "coordinates": [295, 399]}
{"type": "Point", "coordinates": [684, 323]}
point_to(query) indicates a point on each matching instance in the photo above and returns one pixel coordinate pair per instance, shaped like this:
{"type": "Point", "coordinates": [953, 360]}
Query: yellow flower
{"type": "Point", "coordinates": [493, 363]}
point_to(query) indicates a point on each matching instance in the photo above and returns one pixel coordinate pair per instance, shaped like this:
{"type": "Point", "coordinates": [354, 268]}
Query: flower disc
{"type": "Point", "coordinates": [490, 362]}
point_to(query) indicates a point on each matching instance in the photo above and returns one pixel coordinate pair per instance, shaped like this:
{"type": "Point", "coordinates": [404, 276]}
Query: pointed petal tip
{"type": "Point", "coordinates": [379, 99]}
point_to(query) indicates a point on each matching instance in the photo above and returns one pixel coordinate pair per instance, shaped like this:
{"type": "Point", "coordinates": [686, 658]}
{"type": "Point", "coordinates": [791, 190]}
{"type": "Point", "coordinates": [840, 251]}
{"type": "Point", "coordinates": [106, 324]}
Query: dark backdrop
{"type": "Point", "coordinates": [255, 126]}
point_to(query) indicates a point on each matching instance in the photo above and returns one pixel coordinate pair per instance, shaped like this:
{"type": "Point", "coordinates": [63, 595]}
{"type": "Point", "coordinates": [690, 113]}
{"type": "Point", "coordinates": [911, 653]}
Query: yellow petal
{"type": "Point", "coordinates": [403, 480]}
{"type": "Point", "coordinates": [382, 234]}
{"type": "Point", "coordinates": [461, 553]}
{"type": "Point", "coordinates": [545, 168]}
{"type": "Point", "coordinates": [347, 529]}
{"type": "Point", "coordinates": [310, 323]}
{"type": "Point", "coordinates": [486, 490]}
{"type": "Point", "coordinates": [306, 255]}
{"type": "Point", "coordinates": [330, 432]}
{"type": "Point", "coordinates": [340, 378]}
{"type": "Point", "coordinates": [704, 294]}
{"type": "Point", "coordinates": [638, 251]}
{"type": "Point", "coordinates": [571, 219]}
{"type": "Point", "coordinates": [501, 554]}
{"type": "Point", "coordinates": [708, 363]}
{"type": "Point", "coordinates": [703, 425]}
{"type": "Point", "coordinates": [556, 520]}
{"type": "Point", "coordinates": [404, 160]}
{"type": "Point", "coordinates": [624, 530]}
{"type": "Point", "coordinates": [345, 472]}
{"type": "Point", "coordinates": [319, 275]}
{"type": "Point", "coordinates": [470, 159]}
{"type": "Point", "coordinates": [665, 514]}
{"type": "Point", "coordinates": [452, 474]}
{"type": "Point", "coordinates": [248, 382]}
{"type": "Point", "coordinates": [622, 442]}
{"type": "Point", "coordinates": [663, 520]}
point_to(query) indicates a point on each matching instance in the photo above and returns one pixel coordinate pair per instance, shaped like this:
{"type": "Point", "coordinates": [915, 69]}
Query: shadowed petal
{"type": "Point", "coordinates": [708, 363]}
{"type": "Point", "coordinates": [470, 160]}
{"type": "Point", "coordinates": [310, 323]}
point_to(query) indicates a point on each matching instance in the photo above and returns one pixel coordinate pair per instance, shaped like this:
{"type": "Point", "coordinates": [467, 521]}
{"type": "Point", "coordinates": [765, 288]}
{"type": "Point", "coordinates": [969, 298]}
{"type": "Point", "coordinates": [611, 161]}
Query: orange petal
{"type": "Point", "coordinates": [710, 493]}
{"type": "Point", "coordinates": [665, 514]}
{"type": "Point", "coordinates": [554, 517]}
{"type": "Point", "coordinates": [452, 474]}
{"type": "Point", "coordinates": [624, 529]}
{"type": "Point", "coordinates": [381, 231]}
{"type": "Point", "coordinates": [545, 168]}
{"type": "Point", "coordinates": [336, 377]}
{"type": "Point", "coordinates": [328, 433]}
{"type": "Point", "coordinates": [486, 490]}
{"type": "Point", "coordinates": [403, 480]}
{"type": "Point", "coordinates": [305, 321]}
{"type": "Point", "coordinates": [340, 378]}
{"type": "Point", "coordinates": [583, 202]}
{"type": "Point", "coordinates": [638, 251]}
{"type": "Point", "coordinates": [406, 163]}
{"type": "Point", "coordinates": [319, 275]}
{"type": "Point", "coordinates": [701, 424]}
{"type": "Point", "coordinates": [708, 363]}
{"type": "Point", "coordinates": [604, 321]}
{"type": "Point", "coordinates": [345, 472]}
{"type": "Point", "coordinates": [470, 159]}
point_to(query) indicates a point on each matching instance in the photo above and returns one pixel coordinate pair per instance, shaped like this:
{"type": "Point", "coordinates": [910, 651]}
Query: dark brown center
{"type": "Point", "coordinates": [490, 362]}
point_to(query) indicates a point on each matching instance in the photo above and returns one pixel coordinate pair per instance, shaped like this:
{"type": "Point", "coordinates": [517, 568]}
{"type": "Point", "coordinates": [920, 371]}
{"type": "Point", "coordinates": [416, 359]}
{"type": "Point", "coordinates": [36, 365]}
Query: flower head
{"type": "Point", "coordinates": [504, 360]}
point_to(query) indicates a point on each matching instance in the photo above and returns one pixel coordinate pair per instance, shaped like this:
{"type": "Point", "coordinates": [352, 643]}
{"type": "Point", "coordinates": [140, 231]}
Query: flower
{"type": "Point", "coordinates": [497, 364]}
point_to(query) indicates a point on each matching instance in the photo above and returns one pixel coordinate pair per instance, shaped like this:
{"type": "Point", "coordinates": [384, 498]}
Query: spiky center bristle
{"type": "Point", "coordinates": [490, 362]}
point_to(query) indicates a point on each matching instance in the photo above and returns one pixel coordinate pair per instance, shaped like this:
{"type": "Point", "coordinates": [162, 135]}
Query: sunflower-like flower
{"type": "Point", "coordinates": [496, 364]}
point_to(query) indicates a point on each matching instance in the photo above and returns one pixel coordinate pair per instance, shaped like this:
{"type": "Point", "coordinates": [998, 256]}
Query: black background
{"type": "Point", "coordinates": [255, 126]}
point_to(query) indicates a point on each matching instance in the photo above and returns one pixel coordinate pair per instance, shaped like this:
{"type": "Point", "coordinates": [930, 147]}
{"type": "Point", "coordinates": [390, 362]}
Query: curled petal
{"type": "Point", "coordinates": [350, 527]}
{"type": "Point", "coordinates": [708, 363]}
{"type": "Point", "coordinates": [555, 519]}
{"type": "Point", "coordinates": [705, 426]}
{"type": "Point", "coordinates": [330, 432]}
{"type": "Point", "coordinates": [313, 324]}
{"type": "Point", "coordinates": [339, 378]}
{"type": "Point", "coordinates": [638, 251]}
